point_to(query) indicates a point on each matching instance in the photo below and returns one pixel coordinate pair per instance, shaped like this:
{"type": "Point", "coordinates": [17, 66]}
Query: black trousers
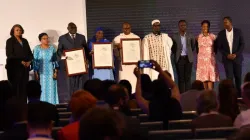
{"type": "Point", "coordinates": [233, 72]}
{"type": "Point", "coordinates": [19, 77]}
{"type": "Point", "coordinates": [184, 71]}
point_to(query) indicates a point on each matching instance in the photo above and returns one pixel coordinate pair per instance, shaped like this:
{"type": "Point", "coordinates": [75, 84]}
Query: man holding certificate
{"type": "Point", "coordinates": [125, 70]}
{"type": "Point", "coordinates": [69, 42]}
{"type": "Point", "coordinates": [157, 46]}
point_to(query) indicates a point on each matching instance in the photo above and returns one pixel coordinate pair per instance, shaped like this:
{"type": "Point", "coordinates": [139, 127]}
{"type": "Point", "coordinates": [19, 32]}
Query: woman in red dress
{"type": "Point", "coordinates": [207, 70]}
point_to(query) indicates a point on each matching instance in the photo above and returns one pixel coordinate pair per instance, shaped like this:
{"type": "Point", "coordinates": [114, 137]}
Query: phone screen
{"type": "Point", "coordinates": [145, 64]}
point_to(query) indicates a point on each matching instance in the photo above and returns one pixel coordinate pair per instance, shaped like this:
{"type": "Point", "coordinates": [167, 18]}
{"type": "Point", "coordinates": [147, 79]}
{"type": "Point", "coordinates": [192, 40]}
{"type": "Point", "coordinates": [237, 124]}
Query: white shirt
{"type": "Point", "coordinates": [230, 37]}
{"type": "Point", "coordinates": [72, 35]}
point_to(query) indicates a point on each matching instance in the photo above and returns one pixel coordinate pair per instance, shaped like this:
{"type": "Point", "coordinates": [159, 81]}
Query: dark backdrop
{"type": "Point", "coordinates": [110, 14]}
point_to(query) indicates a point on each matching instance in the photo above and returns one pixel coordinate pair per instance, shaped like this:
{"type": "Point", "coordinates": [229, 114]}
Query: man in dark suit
{"type": "Point", "coordinates": [183, 46]}
{"type": "Point", "coordinates": [72, 40]}
{"type": "Point", "coordinates": [230, 43]}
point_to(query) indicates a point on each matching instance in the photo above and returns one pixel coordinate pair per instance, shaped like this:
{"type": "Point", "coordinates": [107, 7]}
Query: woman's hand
{"type": "Point", "coordinates": [55, 75]}
{"type": "Point", "coordinates": [23, 63]}
{"type": "Point", "coordinates": [27, 64]}
{"type": "Point", "coordinates": [91, 53]}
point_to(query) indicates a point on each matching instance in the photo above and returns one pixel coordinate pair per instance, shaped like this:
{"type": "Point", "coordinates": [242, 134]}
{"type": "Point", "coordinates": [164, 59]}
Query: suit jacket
{"type": "Point", "coordinates": [238, 45]}
{"type": "Point", "coordinates": [51, 110]}
{"type": "Point", "coordinates": [66, 43]}
{"type": "Point", "coordinates": [177, 46]}
{"type": "Point", "coordinates": [16, 53]}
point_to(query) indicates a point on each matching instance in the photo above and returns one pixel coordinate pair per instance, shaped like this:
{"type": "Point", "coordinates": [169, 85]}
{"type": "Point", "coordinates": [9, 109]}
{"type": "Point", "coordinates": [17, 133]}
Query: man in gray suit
{"type": "Point", "coordinates": [183, 47]}
{"type": "Point", "coordinates": [71, 40]}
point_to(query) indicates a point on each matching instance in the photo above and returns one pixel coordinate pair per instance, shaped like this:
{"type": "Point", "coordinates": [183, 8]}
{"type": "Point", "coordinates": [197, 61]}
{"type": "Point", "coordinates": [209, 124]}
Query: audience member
{"type": "Point", "coordinates": [79, 103]}
{"type": "Point", "coordinates": [247, 77]}
{"type": "Point", "coordinates": [16, 115]}
{"type": "Point", "coordinates": [228, 99]}
{"type": "Point", "coordinates": [6, 93]}
{"type": "Point", "coordinates": [146, 87]}
{"type": "Point", "coordinates": [165, 103]}
{"type": "Point", "coordinates": [126, 84]}
{"type": "Point", "coordinates": [188, 98]}
{"type": "Point", "coordinates": [96, 88]}
{"type": "Point", "coordinates": [244, 117]}
{"type": "Point", "coordinates": [117, 99]}
{"type": "Point", "coordinates": [34, 93]}
{"type": "Point", "coordinates": [106, 124]}
{"type": "Point", "coordinates": [39, 123]}
{"type": "Point", "coordinates": [131, 102]}
{"type": "Point", "coordinates": [207, 109]}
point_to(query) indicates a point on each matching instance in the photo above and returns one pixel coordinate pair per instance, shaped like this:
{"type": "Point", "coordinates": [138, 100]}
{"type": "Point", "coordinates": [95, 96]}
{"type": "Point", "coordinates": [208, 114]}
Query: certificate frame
{"type": "Point", "coordinates": [125, 62]}
{"type": "Point", "coordinates": [108, 46]}
{"type": "Point", "coordinates": [85, 71]}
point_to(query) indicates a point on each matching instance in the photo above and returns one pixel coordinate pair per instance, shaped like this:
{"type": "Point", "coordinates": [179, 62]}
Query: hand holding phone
{"type": "Point", "coordinates": [145, 64]}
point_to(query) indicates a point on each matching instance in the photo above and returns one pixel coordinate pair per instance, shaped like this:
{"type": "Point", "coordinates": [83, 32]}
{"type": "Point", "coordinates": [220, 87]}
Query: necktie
{"type": "Point", "coordinates": [73, 37]}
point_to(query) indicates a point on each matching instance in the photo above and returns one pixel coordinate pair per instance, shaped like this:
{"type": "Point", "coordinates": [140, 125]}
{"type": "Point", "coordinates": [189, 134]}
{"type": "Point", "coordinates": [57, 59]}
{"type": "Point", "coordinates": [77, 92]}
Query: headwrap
{"type": "Point", "coordinates": [155, 21]}
{"type": "Point", "coordinates": [98, 29]}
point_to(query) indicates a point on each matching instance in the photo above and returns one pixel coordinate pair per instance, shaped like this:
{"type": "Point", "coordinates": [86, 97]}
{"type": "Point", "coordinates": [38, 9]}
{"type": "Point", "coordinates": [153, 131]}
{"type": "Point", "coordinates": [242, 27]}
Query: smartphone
{"type": "Point", "coordinates": [145, 64]}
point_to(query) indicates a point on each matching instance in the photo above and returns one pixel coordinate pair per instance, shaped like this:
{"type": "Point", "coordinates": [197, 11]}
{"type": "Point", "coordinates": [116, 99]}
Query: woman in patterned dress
{"type": "Point", "coordinates": [45, 68]}
{"type": "Point", "coordinates": [207, 70]}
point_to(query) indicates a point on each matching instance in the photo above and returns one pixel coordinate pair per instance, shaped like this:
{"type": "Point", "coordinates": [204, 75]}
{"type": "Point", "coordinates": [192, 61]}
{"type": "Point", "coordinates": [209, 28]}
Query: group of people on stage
{"type": "Point", "coordinates": [156, 46]}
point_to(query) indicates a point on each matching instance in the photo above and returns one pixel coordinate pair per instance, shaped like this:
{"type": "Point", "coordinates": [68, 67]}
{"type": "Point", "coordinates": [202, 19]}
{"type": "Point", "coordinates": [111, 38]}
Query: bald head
{"type": "Point", "coordinates": [126, 28]}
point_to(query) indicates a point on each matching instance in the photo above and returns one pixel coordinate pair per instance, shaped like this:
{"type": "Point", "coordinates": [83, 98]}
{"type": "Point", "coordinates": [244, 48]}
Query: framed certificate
{"type": "Point", "coordinates": [131, 51]}
{"type": "Point", "coordinates": [103, 56]}
{"type": "Point", "coordinates": [76, 63]}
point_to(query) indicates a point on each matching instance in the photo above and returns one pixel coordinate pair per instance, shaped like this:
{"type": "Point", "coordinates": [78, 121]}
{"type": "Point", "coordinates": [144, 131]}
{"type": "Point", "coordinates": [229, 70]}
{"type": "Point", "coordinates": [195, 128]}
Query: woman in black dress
{"type": "Point", "coordinates": [19, 57]}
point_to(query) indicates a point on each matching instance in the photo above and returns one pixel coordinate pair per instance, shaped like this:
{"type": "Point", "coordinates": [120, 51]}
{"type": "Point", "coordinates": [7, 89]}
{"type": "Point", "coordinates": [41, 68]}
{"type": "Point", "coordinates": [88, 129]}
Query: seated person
{"type": "Point", "coordinates": [207, 109]}
{"type": "Point", "coordinates": [39, 123]}
{"type": "Point", "coordinates": [16, 115]}
{"type": "Point", "coordinates": [34, 92]}
{"type": "Point", "coordinates": [243, 118]}
{"type": "Point", "coordinates": [188, 98]}
{"type": "Point", "coordinates": [79, 103]}
{"type": "Point", "coordinates": [165, 102]}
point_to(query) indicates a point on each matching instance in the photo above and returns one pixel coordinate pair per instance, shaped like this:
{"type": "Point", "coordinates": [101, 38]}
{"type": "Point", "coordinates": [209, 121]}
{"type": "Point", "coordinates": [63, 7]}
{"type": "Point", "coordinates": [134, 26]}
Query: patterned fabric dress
{"type": "Point", "coordinates": [45, 63]}
{"type": "Point", "coordinates": [207, 69]}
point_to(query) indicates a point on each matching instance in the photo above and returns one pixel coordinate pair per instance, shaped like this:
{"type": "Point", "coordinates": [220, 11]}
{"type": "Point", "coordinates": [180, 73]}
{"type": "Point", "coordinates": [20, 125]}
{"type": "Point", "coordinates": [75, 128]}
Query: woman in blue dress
{"type": "Point", "coordinates": [102, 74]}
{"type": "Point", "coordinates": [45, 68]}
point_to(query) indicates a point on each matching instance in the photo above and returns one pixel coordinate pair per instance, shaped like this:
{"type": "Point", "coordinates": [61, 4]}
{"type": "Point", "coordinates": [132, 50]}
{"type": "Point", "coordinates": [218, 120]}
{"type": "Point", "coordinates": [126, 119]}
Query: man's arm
{"type": "Point", "coordinates": [142, 102]}
{"type": "Point", "coordinates": [86, 49]}
{"type": "Point", "coordinates": [174, 47]}
{"type": "Point", "coordinates": [241, 44]}
{"type": "Point", "coordinates": [60, 48]}
{"type": "Point", "coordinates": [193, 42]}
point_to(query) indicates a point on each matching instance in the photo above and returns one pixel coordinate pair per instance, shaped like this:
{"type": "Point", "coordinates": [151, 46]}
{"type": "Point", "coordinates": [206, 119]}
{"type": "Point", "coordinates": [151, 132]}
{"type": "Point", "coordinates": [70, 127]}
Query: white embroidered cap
{"type": "Point", "coordinates": [155, 21]}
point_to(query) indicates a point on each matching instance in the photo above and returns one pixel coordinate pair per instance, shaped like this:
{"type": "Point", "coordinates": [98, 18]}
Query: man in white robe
{"type": "Point", "coordinates": [157, 46]}
{"type": "Point", "coordinates": [125, 71]}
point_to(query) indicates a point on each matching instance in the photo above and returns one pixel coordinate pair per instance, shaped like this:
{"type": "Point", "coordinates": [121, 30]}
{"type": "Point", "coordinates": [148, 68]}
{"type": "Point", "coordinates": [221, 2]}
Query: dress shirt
{"type": "Point", "coordinates": [184, 45]}
{"type": "Point", "coordinates": [230, 35]}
